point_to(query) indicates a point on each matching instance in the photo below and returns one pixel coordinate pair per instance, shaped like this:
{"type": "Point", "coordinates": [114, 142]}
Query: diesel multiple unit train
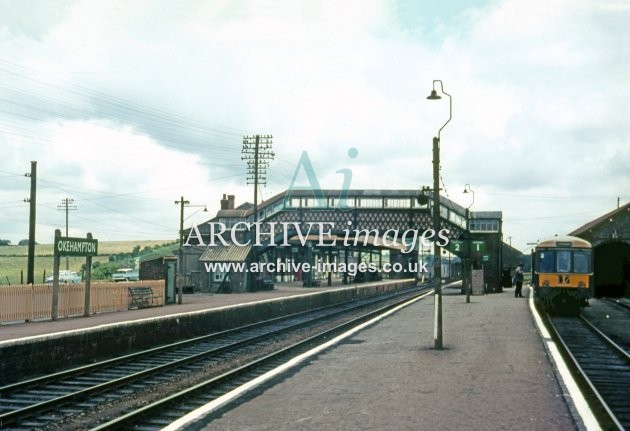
{"type": "Point", "coordinates": [562, 273]}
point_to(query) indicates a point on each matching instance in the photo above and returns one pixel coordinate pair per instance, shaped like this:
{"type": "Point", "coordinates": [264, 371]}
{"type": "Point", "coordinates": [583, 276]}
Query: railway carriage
{"type": "Point", "coordinates": [562, 273]}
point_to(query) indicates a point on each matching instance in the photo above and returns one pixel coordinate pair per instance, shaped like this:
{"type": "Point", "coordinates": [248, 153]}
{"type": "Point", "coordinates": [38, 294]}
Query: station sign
{"type": "Point", "coordinates": [68, 246]}
{"type": "Point", "coordinates": [458, 246]}
{"type": "Point", "coordinates": [455, 246]}
{"type": "Point", "coordinates": [478, 246]}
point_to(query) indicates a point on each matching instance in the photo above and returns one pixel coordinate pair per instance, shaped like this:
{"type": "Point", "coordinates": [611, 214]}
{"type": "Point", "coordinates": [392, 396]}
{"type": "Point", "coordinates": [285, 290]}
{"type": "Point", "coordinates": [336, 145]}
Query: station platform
{"type": "Point", "coordinates": [493, 374]}
{"type": "Point", "coordinates": [190, 303]}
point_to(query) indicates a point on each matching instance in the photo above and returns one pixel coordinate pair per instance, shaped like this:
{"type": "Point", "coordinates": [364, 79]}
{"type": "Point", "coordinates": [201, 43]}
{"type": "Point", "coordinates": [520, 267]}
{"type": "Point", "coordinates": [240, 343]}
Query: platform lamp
{"type": "Point", "coordinates": [437, 261]}
{"type": "Point", "coordinates": [468, 268]}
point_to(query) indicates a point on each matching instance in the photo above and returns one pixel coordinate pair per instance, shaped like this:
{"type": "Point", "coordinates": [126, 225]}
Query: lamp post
{"type": "Point", "coordinates": [183, 203]}
{"type": "Point", "coordinates": [468, 268]}
{"type": "Point", "coordinates": [437, 262]}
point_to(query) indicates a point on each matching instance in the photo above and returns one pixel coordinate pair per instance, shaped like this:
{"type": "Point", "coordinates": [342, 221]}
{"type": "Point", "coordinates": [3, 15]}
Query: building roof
{"type": "Point", "coordinates": [229, 253]}
{"type": "Point", "coordinates": [624, 209]}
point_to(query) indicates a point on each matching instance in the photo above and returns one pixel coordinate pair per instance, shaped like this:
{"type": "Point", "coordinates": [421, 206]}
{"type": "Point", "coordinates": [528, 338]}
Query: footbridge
{"type": "Point", "coordinates": [352, 226]}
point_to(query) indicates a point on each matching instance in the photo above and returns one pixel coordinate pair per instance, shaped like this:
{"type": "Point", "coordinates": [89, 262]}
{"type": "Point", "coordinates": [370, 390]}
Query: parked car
{"type": "Point", "coordinates": [126, 274]}
{"type": "Point", "coordinates": [67, 277]}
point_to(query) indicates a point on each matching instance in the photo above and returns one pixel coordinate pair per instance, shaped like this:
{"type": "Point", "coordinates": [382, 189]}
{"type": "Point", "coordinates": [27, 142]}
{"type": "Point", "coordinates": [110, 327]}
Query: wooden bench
{"type": "Point", "coordinates": [142, 296]}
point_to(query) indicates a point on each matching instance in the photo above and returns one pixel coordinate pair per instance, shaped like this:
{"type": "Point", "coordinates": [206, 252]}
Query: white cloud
{"type": "Point", "coordinates": [175, 86]}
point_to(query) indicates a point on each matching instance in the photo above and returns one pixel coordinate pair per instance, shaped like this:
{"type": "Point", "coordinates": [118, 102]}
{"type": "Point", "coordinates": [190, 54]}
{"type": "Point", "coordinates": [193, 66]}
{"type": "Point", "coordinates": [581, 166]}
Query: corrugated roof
{"type": "Point", "coordinates": [229, 253]}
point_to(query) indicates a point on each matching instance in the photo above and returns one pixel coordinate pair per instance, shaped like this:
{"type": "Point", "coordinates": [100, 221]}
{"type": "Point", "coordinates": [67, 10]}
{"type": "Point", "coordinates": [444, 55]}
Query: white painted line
{"type": "Point", "coordinates": [243, 389]}
{"type": "Point", "coordinates": [575, 394]}
{"type": "Point", "coordinates": [537, 319]}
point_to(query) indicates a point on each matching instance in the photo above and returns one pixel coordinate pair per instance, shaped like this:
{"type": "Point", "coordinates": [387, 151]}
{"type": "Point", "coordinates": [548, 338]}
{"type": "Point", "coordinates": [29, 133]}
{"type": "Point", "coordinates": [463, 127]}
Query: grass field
{"type": "Point", "coordinates": [13, 258]}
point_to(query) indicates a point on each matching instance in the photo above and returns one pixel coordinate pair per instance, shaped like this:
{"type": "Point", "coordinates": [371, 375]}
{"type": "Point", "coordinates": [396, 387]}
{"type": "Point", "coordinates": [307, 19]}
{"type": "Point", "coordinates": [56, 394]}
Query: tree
{"type": "Point", "coordinates": [25, 242]}
{"type": "Point", "coordinates": [4, 242]}
{"type": "Point", "coordinates": [103, 271]}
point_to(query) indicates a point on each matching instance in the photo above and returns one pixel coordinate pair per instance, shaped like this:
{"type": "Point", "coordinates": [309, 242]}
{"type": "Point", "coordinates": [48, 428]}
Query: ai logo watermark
{"type": "Point", "coordinates": [305, 164]}
{"type": "Point", "coordinates": [278, 234]}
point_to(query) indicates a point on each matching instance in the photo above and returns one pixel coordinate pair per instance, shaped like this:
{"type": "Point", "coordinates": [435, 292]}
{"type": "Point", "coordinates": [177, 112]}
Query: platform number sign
{"type": "Point", "coordinates": [456, 246]}
{"type": "Point", "coordinates": [478, 246]}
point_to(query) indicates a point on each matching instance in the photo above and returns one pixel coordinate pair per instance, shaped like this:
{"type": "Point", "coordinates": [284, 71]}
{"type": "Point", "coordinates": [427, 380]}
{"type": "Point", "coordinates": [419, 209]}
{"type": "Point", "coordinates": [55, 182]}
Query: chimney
{"type": "Point", "coordinates": [230, 202]}
{"type": "Point", "coordinates": [224, 202]}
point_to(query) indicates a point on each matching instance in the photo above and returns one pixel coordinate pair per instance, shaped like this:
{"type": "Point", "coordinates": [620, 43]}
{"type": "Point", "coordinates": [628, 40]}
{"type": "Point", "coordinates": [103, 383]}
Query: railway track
{"type": "Point", "coordinates": [600, 366]}
{"type": "Point", "coordinates": [47, 402]}
{"type": "Point", "coordinates": [164, 412]}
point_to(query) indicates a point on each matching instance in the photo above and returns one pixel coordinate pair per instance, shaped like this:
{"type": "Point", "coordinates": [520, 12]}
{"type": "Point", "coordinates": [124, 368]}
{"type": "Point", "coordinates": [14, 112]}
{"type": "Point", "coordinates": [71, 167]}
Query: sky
{"type": "Point", "coordinates": [127, 106]}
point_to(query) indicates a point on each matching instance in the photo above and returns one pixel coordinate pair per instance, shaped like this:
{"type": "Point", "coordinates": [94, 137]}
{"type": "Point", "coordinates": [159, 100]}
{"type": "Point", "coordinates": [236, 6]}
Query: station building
{"type": "Point", "coordinates": [610, 237]}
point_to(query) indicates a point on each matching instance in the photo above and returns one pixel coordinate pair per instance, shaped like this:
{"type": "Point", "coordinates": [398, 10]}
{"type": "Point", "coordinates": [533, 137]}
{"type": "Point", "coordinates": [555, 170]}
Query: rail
{"type": "Point", "coordinates": [85, 385]}
{"type": "Point", "coordinates": [601, 368]}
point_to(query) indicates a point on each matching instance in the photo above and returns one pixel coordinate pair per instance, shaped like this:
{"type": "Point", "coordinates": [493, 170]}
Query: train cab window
{"type": "Point", "coordinates": [563, 260]}
{"type": "Point", "coordinates": [581, 261]}
{"type": "Point", "coordinates": [545, 261]}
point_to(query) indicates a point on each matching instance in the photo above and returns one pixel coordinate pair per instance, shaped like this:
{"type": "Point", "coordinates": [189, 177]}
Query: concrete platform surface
{"type": "Point", "coordinates": [191, 302]}
{"type": "Point", "coordinates": [493, 374]}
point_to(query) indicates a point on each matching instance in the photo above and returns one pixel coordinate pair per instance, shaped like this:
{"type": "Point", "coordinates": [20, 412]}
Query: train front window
{"type": "Point", "coordinates": [563, 260]}
{"type": "Point", "coordinates": [582, 261]}
{"type": "Point", "coordinates": [545, 261]}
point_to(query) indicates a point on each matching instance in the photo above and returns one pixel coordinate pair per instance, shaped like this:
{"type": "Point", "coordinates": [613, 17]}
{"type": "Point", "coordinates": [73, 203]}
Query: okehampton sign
{"type": "Point", "coordinates": [67, 246]}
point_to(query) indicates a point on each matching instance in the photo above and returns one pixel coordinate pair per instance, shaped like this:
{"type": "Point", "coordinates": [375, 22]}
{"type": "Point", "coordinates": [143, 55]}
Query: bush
{"type": "Point", "coordinates": [103, 271]}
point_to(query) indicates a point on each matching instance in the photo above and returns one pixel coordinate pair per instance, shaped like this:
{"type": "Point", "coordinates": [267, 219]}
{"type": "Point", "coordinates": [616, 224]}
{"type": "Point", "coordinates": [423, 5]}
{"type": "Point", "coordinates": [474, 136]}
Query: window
{"type": "Point", "coordinates": [563, 260]}
{"type": "Point", "coordinates": [545, 261]}
{"type": "Point", "coordinates": [397, 203]}
{"type": "Point", "coordinates": [294, 202]}
{"type": "Point", "coordinates": [370, 203]}
{"type": "Point", "coordinates": [484, 225]}
{"type": "Point", "coordinates": [582, 261]}
{"type": "Point", "coordinates": [457, 219]}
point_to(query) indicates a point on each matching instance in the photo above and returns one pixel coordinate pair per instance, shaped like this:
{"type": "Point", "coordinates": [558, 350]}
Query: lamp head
{"type": "Point", "coordinates": [423, 199]}
{"type": "Point", "coordinates": [434, 96]}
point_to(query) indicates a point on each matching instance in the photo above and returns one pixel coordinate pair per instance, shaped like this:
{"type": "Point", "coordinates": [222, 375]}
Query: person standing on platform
{"type": "Point", "coordinates": [518, 281]}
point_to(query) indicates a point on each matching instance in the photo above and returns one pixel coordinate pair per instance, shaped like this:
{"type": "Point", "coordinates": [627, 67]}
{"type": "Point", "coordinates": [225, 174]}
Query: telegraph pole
{"type": "Point", "coordinates": [182, 203]}
{"type": "Point", "coordinates": [66, 205]}
{"type": "Point", "coordinates": [257, 152]}
{"type": "Point", "coordinates": [30, 266]}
